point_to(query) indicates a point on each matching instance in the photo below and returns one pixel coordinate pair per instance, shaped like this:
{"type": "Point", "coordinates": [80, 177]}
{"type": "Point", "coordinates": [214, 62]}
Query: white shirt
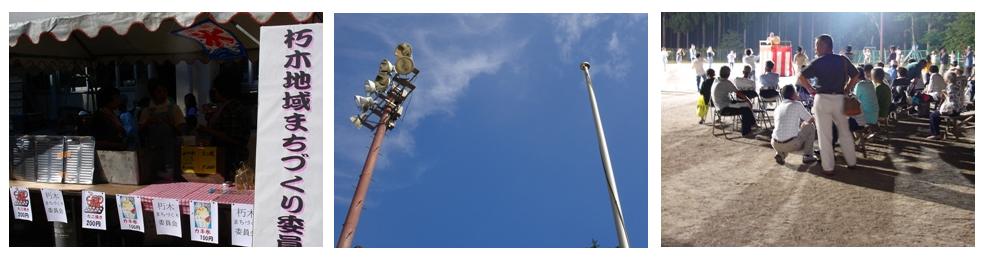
{"type": "Point", "coordinates": [800, 60]}
{"type": "Point", "coordinates": [935, 85]}
{"type": "Point", "coordinates": [751, 61]}
{"type": "Point", "coordinates": [744, 84]}
{"type": "Point", "coordinates": [699, 66]}
{"type": "Point", "coordinates": [788, 118]}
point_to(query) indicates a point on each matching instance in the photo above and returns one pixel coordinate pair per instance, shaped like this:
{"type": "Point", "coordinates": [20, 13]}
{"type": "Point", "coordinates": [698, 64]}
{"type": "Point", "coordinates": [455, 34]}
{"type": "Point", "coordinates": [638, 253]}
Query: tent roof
{"type": "Point", "coordinates": [50, 40]}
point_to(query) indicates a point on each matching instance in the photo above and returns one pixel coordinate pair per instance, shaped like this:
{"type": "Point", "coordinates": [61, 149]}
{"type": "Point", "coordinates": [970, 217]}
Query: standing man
{"type": "Point", "coordinates": [692, 53]}
{"type": "Point", "coordinates": [944, 58]}
{"type": "Point", "coordinates": [833, 73]}
{"type": "Point", "coordinates": [710, 57]}
{"type": "Point", "coordinates": [970, 61]}
{"type": "Point", "coordinates": [665, 54]}
{"type": "Point", "coordinates": [800, 60]}
{"type": "Point", "coordinates": [867, 56]}
{"type": "Point", "coordinates": [892, 57]}
{"type": "Point", "coordinates": [699, 69]}
{"type": "Point", "coordinates": [732, 59]}
{"type": "Point", "coordinates": [750, 60]}
{"type": "Point", "coordinates": [849, 53]}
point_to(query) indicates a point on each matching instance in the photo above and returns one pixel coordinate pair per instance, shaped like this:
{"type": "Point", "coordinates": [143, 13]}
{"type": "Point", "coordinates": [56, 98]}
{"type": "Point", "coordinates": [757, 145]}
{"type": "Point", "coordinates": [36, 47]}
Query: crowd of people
{"type": "Point", "coordinates": [156, 125]}
{"type": "Point", "coordinates": [815, 112]}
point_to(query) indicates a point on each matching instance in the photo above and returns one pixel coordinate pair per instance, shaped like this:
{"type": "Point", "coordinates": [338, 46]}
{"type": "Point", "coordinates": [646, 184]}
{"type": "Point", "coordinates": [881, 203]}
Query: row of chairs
{"type": "Point", "coordinates": [763, 115]}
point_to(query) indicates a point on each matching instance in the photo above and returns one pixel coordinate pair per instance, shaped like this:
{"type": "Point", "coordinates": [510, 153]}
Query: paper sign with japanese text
{"type": "Point", "coordinates": [130, 213]}
{"type": "Point", "coordinates": [289, 165]}
{"type": "Point", "coordinates": [203, 221]}
{"type": "Point", "coordinates": [94, 210]}
{"type": "Point", "coordinates": [241, 220]}
{"type": "Point", "coordinates": [167, 217]}
{"type": "Point", "coordinates": [20, 199]}
{"type": "Point", "coordinates": [54, 205]}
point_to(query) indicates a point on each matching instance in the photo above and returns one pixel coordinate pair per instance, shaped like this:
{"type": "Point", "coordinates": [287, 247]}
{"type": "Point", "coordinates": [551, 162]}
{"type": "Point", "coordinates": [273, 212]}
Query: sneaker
{"type": "Point", "coordinates": [809, 159]}
{"type": "Point", "coordinates": [701, 122]}
{"type": "Point", "coordinates": [852, 167]}
{"type": "Point", "coordinates": [934, 137]}
{"type": "Point", "coordinates": [779, 159]}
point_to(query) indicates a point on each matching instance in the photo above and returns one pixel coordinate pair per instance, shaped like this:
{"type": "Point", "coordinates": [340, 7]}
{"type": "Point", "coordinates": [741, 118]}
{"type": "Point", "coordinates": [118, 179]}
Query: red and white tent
{"type": "Point", "coordinates": [781, 56]}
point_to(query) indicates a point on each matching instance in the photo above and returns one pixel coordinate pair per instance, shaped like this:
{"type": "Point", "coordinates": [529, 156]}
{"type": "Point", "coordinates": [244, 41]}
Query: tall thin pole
{"type": "Point", "coordinates": [882, 47]}
{"type": "Point", "coordinates": [357, 203]}
{"type": "Point", "coordinates": [620, 224]}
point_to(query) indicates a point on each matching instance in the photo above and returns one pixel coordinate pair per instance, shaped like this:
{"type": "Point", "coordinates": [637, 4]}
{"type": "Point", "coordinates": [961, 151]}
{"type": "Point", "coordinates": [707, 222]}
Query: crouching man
{"type": "Point", "coordinates": [795, 131]}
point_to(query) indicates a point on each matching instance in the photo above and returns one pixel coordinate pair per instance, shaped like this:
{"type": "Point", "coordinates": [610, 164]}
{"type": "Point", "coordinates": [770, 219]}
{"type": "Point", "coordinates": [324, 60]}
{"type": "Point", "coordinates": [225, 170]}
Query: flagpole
{"type": "Point", "coordinates": [620, 224]}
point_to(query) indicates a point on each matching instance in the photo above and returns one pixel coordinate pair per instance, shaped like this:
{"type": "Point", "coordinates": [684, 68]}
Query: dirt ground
{"type": "Point", "coordinates": [908, 191]}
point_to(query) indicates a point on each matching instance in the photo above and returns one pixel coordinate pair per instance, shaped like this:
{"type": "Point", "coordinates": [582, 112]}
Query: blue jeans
{"type": "Point", "coordinates": [698, 79]}
{"type": "Point", "coordinates": [935, 121]}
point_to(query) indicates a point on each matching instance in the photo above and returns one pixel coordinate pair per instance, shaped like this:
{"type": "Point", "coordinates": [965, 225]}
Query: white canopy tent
{"type": "Point", "coordinates": [71, 40]}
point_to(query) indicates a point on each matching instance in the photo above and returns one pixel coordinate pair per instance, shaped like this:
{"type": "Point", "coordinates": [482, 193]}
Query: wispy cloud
{"type": "Point", "coordinates": [579, 33]}
{"type": "Point", "coordinates": [617, 64]}
{"type": "Point", "coordinates": [452, 52]}
{"type": "Point", "coordinates": [570, 29]}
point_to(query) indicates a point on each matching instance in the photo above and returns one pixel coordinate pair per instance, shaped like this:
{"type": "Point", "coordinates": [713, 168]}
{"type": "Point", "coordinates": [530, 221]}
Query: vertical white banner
{"type": "Point", "coordinates": [54, 205]}
{"type": "Point", "coordinates": [20, 198]}
{"type": "Point", "coordinates": [94, 210]}
{"type": "Point", "coordinates": [289, 173]}
{"type": "Point", "coordinates": [203, 222]}
{"type": "Point", "coordinates": [130, 213]}
{"type": "Point", "coordinates": [167, 217]}
{"type": "Point", "coordinates": [241, 223]}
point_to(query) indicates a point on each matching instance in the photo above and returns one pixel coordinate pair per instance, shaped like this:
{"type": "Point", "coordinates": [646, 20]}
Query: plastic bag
{"type": "Point", "coordinates": [702, 107]}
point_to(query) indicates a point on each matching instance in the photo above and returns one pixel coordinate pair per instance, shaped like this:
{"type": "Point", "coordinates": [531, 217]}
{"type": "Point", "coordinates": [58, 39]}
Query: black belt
{"type": "Point", "coordinates": [830, 93]}
{"type": "Point", "coordinates": [779, 141]}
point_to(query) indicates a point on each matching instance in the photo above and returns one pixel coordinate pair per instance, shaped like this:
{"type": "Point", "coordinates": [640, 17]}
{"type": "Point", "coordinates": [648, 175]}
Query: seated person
{"type": "Point", "coordinates": [795, 129]}
{"type": "Point", "coordinates": [952, 106]}
{"type": "Point", "coordinates": [883, 94]}
{"type": "Point", "coordinates": [900, 88]}
{"type": "Point", "coordinates": [770, 81]}
{"type": "Point", "coordinates": [866, 93]}
{"type": "Point", "coordinates": [726, 99]}
{"type": "Point", "coordinates": [936, 84]}
{"type": "Point", "coordinates": [856, 126]}
{"type": "Point", "coordinates": [746, 85]}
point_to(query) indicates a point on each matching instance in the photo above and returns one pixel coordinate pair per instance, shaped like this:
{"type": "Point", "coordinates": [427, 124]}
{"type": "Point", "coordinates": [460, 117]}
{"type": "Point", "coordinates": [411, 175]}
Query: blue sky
{"type": "Point", "coordinates": [498, 146]}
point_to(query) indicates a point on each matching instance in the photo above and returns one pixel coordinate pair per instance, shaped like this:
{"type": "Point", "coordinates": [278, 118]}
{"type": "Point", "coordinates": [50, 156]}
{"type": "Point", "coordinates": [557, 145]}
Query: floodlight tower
{"type": "Point", "coordinates": [620, 222]}
{"type": "Point", "coordinates": [384, 98]}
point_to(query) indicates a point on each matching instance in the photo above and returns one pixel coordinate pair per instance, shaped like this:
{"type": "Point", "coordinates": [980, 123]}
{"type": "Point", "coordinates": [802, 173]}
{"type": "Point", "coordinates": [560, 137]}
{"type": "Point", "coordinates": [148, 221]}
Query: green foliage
{"type": "Point", "coordinates": [731, 40]}
{"type": "Point", "coordinates": [961, 32]}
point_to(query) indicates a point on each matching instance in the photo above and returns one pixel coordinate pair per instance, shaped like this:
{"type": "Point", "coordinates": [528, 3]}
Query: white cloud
{"type": "Point", "coordinates": [451, 54]}
{"type": "Point", "coordinates": [617, 65]}
{"type": "Point", "coordinates": [570, 29]}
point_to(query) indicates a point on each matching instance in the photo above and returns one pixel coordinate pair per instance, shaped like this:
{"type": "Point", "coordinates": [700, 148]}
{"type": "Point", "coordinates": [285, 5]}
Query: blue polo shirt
{"type": "Point", "coordinates": [832, 72]}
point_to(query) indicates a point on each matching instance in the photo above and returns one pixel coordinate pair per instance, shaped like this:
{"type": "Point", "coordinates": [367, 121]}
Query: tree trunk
{"type": "Point", "coordinates": [913, 40]}
{"type": "Point", "coordinates": [800, 29]}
